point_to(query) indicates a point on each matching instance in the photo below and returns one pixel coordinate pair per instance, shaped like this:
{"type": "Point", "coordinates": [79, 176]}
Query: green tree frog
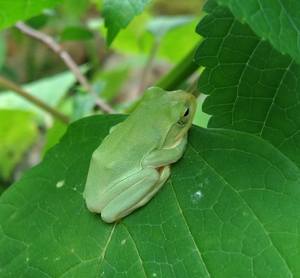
{"type": "Point", "coordinates": [133, 161]}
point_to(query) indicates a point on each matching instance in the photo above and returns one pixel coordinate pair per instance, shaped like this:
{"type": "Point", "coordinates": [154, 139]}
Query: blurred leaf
{"type": "Point", "coordinates": [251, 86]}
{"type": "Point", "coordinates": [17, 133]}
{"type": "Point", "coordinates": [2, 50]}
{"type": "Point", "coordinates": [130, 40]}
{"type": "Point", "coordinates": [38, 22]}
{"type": "Point", "coordinates": [183, 46]}
{"type": "Point", "coordinates": [119, 13]}
{"type": "Point", "coordinates": [95, 24]}
{"type": "Point", "coordinates": [53, 135]}
{"type": "Point", "coordinates": [233, 219]}
{"type": "Point", "coordinates": [83, 105]}
{"type": "Point", "coordinates": [277, 21]}
{"type": "Point", "coordinates": [159, 26]}
{"type": "Point", "coordinates": [75, 9]}
{"type": "Point", "coordinates": [112, 80]}
{"type": "Point", "coordinates": [177, 6]}
{"type": "Point", "coordinates": [136, 40]}
{"type": "Point", "coordinates": [51, 90]}
{"type": "Point", "coordinates": [12, 11]}
{"type": "Point", "coordinates": [76, 33]}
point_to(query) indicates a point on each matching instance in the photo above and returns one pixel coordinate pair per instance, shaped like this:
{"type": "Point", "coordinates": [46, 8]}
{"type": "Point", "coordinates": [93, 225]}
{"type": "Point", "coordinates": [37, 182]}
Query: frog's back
{"type": "Point", "coordinates": [123, 149]}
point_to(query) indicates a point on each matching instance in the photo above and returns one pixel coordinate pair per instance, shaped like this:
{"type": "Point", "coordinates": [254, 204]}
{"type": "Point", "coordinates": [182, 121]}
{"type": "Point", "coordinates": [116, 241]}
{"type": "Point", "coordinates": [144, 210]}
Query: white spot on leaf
{"type": "Point", "coordinates": [60, 184]}
{"type": "Point", "coordinates": [196, 197]}
{"type": "Point", "coordinates": [123, 241]}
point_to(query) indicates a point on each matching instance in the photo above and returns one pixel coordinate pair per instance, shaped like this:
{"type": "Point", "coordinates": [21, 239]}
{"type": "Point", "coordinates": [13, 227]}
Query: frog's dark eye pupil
{"type": "Point", "coordinates": [187, 111]}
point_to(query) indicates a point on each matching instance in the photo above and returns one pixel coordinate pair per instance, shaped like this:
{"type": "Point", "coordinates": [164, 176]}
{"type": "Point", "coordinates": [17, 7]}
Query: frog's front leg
{"type": "Point", "coordinates": [165, 156]}
{"type": "Point", "coordinates": [135, 190]}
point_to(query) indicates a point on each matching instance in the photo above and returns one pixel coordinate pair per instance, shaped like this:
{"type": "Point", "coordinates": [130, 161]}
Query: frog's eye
{"type": "Point", "coordinates": [187, 112]}
{"type": "Point", "coordinates": [183, 120]}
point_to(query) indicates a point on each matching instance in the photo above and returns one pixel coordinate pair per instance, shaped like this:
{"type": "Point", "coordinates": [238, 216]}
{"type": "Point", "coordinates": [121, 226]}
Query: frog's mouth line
{"type": "Point", "coordinates": [160, 169]}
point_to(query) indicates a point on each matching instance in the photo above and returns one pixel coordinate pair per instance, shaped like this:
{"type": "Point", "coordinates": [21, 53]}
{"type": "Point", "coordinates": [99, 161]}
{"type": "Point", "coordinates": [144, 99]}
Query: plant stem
{"type": "Point", "coordinates": [18, 90]}
{"type": "Point", "coordinates": [148, 66]}
{"type": "Point", "coordinates": [184, 69]}
{"type": "Point", "coordinates": [68, 61]}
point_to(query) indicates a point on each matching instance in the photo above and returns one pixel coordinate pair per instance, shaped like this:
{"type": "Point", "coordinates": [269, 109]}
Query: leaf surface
{"type": "Point", "coordinates": [230, 209]}
{"type": "Point", "coordinates": [278, 21]}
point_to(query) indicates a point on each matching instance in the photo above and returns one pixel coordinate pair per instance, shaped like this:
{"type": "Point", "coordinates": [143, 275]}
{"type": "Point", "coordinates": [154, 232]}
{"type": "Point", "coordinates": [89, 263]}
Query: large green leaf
{"type": "Point", "coordinates": [119, 13]}
{"type": "Point", "coordinates": [12, 11]}
{"type": "Point", "coordinates": [251, 86]}
{"type": "Point", "coordinates": [278, 21]}
{"type": "Point", "coordinates": [230, 209]}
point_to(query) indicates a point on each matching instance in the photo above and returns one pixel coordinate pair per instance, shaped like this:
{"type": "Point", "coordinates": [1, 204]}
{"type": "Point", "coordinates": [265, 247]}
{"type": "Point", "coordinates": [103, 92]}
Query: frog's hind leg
{"type": "Point", "coordinates": [126, 201]}
{"type": "Point", "coordinates": [137, 195]}
{"type": "Point", "coordinates": [164, 175]}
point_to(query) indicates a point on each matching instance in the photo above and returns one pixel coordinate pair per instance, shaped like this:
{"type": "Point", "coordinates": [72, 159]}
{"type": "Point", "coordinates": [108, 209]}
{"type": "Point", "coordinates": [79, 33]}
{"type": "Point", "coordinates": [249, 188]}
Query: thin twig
{"type": "Point", "coordinates": [67, 59]}
{"type": "Point", "coordinates": [7, 84]}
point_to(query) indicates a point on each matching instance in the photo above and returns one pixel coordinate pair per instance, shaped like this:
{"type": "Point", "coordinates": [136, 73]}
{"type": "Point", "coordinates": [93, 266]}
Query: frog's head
{"type": "Point", "coordinates": [174, 111]}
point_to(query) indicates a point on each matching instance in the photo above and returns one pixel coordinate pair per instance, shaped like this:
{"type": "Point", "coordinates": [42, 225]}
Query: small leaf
{"type": "Point", "coordinates": [230, 209]}
{"type": "Point", "coordinates": [119, 13]}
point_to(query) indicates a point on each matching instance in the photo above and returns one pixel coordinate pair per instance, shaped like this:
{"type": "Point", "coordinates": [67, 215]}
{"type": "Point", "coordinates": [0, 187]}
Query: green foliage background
{"type": "Point", "coordinates": [231, 207]}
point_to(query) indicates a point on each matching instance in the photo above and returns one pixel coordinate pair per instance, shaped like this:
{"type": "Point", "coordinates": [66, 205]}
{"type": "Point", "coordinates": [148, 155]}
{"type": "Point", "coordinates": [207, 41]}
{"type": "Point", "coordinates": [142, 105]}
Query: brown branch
{"type": "Point", "coordinates": [68, 61]}
{"type": "Point", "coordinates": [18, 90]}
